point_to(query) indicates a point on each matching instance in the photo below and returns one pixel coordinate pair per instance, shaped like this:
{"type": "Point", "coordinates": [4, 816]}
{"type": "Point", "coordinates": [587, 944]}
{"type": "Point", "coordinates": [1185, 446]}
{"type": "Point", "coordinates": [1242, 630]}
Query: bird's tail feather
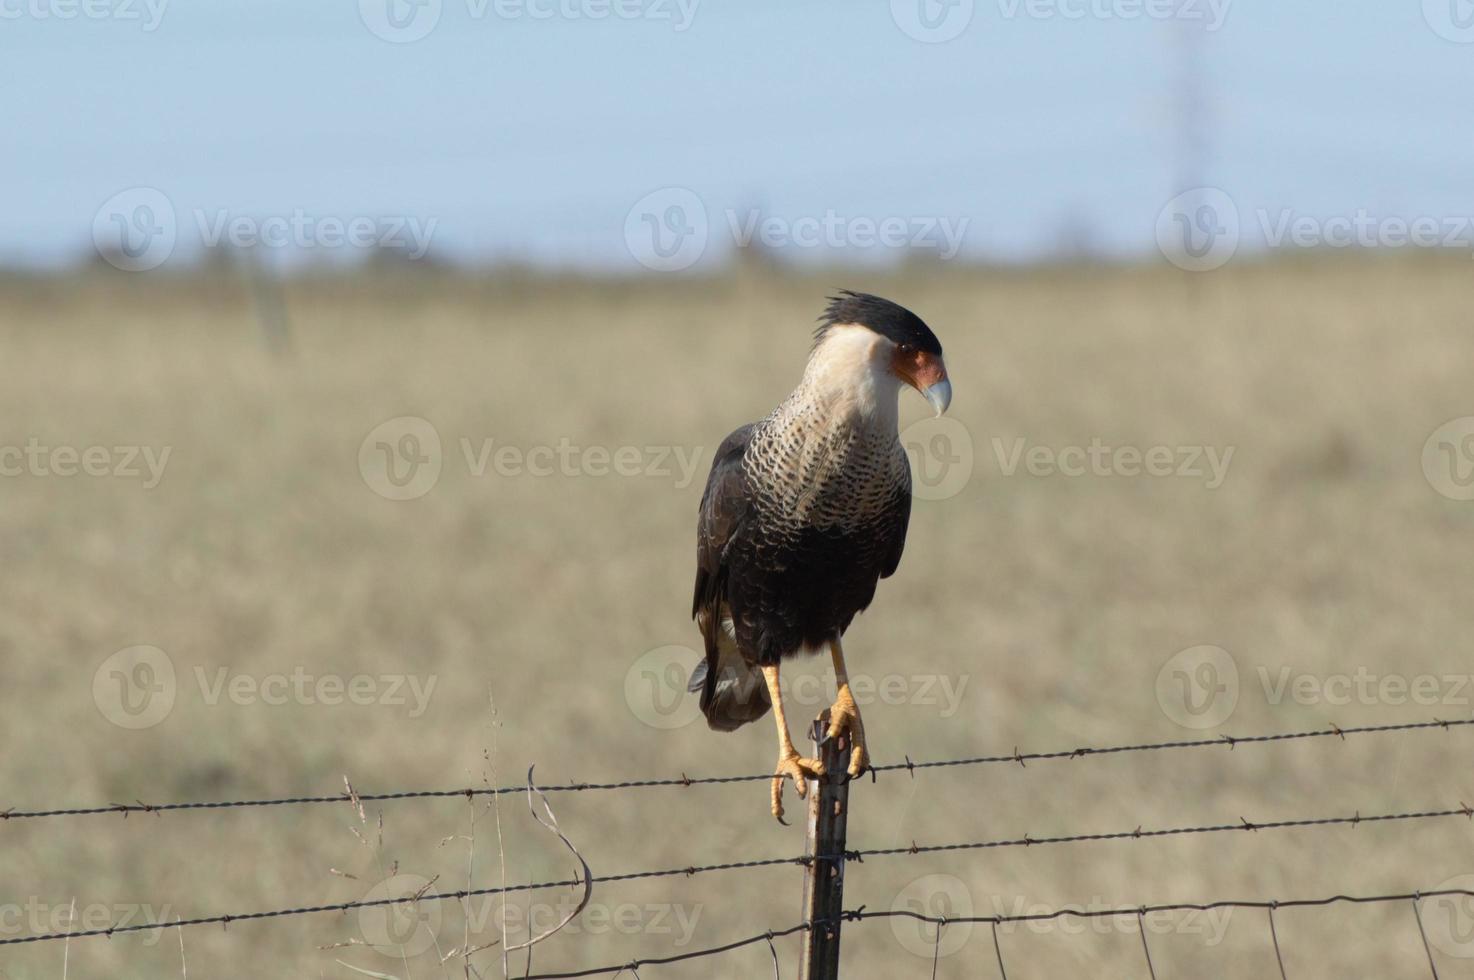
{"type": "Point", "coordinates": [733, 691]}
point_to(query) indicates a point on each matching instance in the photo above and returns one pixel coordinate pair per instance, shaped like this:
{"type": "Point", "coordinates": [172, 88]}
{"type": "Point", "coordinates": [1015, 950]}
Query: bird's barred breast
{"type": "Point", "coordinates": [823, 473]}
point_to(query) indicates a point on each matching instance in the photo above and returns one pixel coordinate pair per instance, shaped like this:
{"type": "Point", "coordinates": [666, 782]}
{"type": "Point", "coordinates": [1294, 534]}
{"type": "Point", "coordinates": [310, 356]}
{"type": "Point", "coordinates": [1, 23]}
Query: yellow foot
{"type": "Point", "coordinates": [844, 717]}
{"type": "Point", "coordinates": [800, 770]}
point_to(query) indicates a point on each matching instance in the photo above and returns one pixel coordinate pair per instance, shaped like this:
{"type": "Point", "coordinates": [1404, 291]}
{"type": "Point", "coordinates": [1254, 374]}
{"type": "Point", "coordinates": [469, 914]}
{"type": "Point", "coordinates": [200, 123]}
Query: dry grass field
{"type": "Point", "coordinates": [518, 611]}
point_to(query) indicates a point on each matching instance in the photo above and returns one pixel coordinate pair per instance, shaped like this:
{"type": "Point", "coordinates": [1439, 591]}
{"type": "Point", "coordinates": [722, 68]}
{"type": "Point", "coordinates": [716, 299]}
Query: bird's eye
{"type": "Point", "coordinates": [906, 349]}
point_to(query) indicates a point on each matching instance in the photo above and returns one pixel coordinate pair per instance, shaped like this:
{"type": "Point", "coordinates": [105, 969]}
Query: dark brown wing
{"type": "Point", "coordinates": [732, 691]}
{"type": "Point", "coordinates": [724, 507]}
{"type": "Point", "coordinates": [898, 517]}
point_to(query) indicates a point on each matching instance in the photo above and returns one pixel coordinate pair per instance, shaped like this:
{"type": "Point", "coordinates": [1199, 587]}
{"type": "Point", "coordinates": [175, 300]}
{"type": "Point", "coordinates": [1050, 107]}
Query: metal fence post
{"type": "Point", "coordinates": [829, 804]}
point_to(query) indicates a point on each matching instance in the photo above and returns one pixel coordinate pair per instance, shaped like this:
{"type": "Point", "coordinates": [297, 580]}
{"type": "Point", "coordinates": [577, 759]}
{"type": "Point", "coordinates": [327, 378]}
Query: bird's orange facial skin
{"type": "Point", "coordinates": [917, 368]}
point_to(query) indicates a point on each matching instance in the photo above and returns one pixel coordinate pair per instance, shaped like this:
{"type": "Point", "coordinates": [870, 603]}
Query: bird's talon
{"type": "Point", "coordinates": [800, 770]}
{"type": "Point", "coordinates": [845, 717]}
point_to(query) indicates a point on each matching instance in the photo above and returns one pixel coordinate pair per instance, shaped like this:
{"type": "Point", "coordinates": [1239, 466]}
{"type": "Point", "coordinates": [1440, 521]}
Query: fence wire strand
{"type": "Point", "coordinates": [1015, 758]}
{"type": "Point", "coordinates": [857, 855]}
{"type": "Point", "coordinates": [863, 915]}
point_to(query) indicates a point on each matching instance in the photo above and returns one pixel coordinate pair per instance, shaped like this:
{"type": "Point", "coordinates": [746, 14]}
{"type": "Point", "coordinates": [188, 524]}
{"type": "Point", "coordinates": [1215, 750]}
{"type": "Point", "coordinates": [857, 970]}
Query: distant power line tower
{"type": "Point", "coordinates": [1190, 109]}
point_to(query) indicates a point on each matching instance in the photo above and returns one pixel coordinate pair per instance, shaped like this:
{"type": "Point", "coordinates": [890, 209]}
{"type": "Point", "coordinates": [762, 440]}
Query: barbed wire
{"type": "Point", "coordinates": [863, 914]}
{"type": "Point", "coordinates": [1016, 757]}
{"type": "Point", "coordinates": [804, 860]}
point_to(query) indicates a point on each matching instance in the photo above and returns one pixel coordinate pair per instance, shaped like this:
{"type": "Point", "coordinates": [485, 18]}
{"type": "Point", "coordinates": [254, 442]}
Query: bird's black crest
{"type": "Point", "coordinates": [890, 320]}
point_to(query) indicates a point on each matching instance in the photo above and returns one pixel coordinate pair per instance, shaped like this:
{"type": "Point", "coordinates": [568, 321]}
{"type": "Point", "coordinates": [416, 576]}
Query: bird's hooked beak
{"type": "Point", "coordinates": [928, 375]}
{"type": "Point", "coordinates": [939, 393]}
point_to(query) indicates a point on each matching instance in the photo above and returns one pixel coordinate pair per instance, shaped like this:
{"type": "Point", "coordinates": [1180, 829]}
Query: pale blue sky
{"type": "Point", "coordinates": [533, 138]}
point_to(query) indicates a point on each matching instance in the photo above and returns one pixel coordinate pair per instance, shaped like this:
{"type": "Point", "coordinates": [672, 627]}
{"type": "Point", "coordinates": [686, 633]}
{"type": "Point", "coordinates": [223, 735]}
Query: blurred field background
{"type": "Point", "coordinates": [1050, 603]}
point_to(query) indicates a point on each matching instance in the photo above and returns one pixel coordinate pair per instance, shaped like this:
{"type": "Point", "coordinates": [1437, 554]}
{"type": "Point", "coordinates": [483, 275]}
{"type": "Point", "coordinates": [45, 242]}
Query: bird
{"type": "Point", "coordinates": [803, 513]}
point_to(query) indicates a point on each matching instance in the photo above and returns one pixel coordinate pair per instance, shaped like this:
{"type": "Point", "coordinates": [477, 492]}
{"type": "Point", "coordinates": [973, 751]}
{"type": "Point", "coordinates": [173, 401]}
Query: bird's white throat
{"type": "Point", "coordinates": [849, 375]}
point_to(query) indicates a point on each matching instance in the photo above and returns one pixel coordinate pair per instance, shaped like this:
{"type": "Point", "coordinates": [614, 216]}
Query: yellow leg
{"type": "Point", "coordinates": [789, 762]}
{"type": "Point", "coordinates": [845, 715]}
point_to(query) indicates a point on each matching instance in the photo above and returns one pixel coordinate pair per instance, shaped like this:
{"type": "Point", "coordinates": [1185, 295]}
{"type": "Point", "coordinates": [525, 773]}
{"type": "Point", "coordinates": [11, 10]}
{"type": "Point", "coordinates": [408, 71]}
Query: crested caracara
{"type": "Point", "coordinates": [803, 513]}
